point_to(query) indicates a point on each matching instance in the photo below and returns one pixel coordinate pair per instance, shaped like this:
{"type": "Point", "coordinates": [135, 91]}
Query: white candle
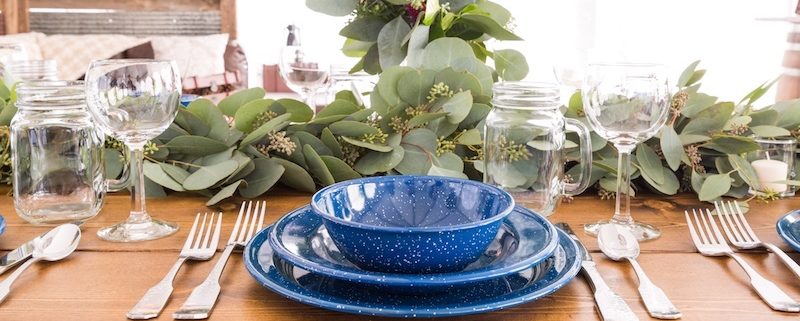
{"type": "Point", "coordinates": [770, 171]}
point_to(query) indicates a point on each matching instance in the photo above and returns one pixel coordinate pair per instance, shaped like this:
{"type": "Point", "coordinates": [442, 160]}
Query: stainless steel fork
{"type": "Point", "coordinates": [201, 300]}
{"type": "Point", "coordinates": [709, 241]}
{"type": "Point", "coordinates": [742, 236]}
{"type": "Point", "coordinates": [200, 245]}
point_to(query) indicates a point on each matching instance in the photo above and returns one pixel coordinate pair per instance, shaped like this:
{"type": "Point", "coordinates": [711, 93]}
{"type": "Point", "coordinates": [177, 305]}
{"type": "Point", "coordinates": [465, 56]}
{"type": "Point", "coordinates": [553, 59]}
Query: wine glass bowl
{"type": "Point", "coordinates": [304, 71]}
{"type": "Point", "coordinates": [626, 104]}
{"type": "Point", "coordinates": [134, 100]}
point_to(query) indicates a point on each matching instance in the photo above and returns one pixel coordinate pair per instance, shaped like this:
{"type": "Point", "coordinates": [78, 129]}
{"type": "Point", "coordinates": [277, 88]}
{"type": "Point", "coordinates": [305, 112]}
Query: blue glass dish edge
{"type": "Point", "coordinates": [2, 225]}
{"type": "Point", "coordinates": [423, 280]}
{"type": "Point", "coordinates": [567, 276]}
{"type": "Point", "coordinates": [783, 225]}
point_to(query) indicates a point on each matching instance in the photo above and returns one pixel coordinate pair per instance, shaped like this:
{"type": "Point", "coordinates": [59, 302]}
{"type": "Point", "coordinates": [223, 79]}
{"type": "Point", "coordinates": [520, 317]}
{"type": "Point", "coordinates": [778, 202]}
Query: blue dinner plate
{"type": "Point", "coordinates": [524, 239]}
{"type": "Point", "coordinates": [2, 224]}
{"type": "Point", "coordinates": [789, 229]}
{"type": "Point", "coordinates": [335, 294]}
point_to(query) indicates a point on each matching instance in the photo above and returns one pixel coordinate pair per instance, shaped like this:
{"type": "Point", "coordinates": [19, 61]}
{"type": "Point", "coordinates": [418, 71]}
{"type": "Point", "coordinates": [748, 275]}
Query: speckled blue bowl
{"type": "Point", "coordinates": [412, 224]}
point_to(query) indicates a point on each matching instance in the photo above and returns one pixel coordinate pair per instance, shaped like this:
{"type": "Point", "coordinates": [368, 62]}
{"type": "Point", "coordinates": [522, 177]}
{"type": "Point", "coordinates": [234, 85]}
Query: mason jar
{"type": "Point", "coordinates": [525, 146]}
{"type": "Point", "coordinates": [57, 154]}
{"type": "Point", "coordinates": [31, 70]}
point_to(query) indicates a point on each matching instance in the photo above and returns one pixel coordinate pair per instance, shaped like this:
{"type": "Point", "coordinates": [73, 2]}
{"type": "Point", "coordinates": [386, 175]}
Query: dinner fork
{"type": "Point", "coordinates": [742, 236]}
{"type": "Point", "coordinates": [200, 245]}
{"type": "Point", "coordinates": [710, 243]}
{"type": "Point", "coordinates": [201, 300]}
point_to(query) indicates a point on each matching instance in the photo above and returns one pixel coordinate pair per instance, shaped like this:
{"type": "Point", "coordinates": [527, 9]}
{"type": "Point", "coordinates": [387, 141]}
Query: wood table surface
{"type": "Point", "coordinates": [102, 280]}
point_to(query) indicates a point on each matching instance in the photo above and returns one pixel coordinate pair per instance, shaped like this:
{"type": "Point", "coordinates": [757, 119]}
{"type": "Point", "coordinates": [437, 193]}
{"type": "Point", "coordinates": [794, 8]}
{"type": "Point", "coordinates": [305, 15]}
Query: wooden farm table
{"type": "Point", "coordinates": [102, 280]}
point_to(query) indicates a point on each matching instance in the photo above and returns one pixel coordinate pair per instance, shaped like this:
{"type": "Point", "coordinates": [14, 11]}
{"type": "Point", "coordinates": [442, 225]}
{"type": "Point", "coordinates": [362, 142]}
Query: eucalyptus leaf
{"type": "Point", "coordinates": [424, 118]}
{"type": "Point", "coordinates": [359, 143]}
{"type": "Point", "coordinates": [650, 163]}
{"type": "Point", "coordinates": [316, 143]}
{"type": "Point", "coordinates": [330, 141]}
{"type": "Point", "coordinates": [299, 110]}
{"type": "Point", "coordinates": [247, 114]}
{"type": "Point", "coordinates": [390, 42]}
{"type": "Point", "coordinates": [458, 107]}
{"type": "Point", "coordinates": [195, 145]}
{"type": "Point", "coordinates": [470, 137]}
{"type": "Point", "coordinates": [416, 45]}
{"type": "Point", "coordinates": [212, 116]}
{"type": "Point", "coordinates": [352, 128]}
{"type": "Point", "coordinates": [176, 173]}
{"type": "Point", "coordinates": [440, 171]}
{"type": "Point", "coordinates": [745, 171]}
{"type": "Point", "coordinates": [770, 131]}
{"type": "Point", "coordinates": [266, 173]}
{"type": "Point", "coordinates": [728, 144]}
{"type": "Point", "coordinates": [113, 162]}
{"type": "Point", "coordinates": [207, 176]}
{"type": "Point", "coordinates": [215, 158]}
{"type": "Point", "coordinates": [338, 108]}
{"type": "Point", "coordinates": [413, 86]}
{"type": "Point", "coordinates": [153, 190]}
{"type": "Point", "coordinates": [510, 65]}
{"type": "Point", "coordinates": [715, 186]}
{"type": "Point", "coordinates": [489, 25]}
{"type": "Point", "coordinates": [317, 167]}
{"type": "Point", "coordinates": [224, 193]}
{"type": "Point", "coordinates": [687, 139]}
{"type": "Point", "coordinates": [764, 117]}
{"type": "Point", "coordinates": [420, 138]}
{"type": "Point", "coordinates": [697, 103]}
{"type": "Point", "coordinates": [365, 28]}
{"type": "Point", "coordinates": [388, 84]}
{"type": "Point", "coordinates": [191, 123]}
{"type": "Point", "coordinates": [274, 124]}
{"type": "Point", "coordinates": [296, 177]}
{"type": "Point", "coordinates": [672, 147]}
{"type": "Point", "coordinates": [687, 73]}
{"type": "Point", "coordinates": [230, 105]}
{"type": "Point", "coordinates": [339, 8]}
{"type": "Point", "coordinates": [477, 114]}
{"type": "Point", "coordinates": [339, 169]}
{"type": "Point", "coordinates": [415, 161]}
{"type": "Point", "coordinates": [377, 162]}
{"type": "Point", "coordinates": [444, 52]}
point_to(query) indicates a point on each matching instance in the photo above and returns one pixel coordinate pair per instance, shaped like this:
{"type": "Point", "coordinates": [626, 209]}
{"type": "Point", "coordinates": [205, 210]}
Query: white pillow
{"type": "Point", "coordinates": [29, 42]}
{"type": "Point", "coordinates": [194, 55]}
{"type": "Point", "coordinates": [73, 53]}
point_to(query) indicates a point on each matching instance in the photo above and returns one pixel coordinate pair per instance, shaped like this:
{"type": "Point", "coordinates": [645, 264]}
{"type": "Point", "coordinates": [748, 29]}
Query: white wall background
{"type": "Point", "coordinates": [739, 52]}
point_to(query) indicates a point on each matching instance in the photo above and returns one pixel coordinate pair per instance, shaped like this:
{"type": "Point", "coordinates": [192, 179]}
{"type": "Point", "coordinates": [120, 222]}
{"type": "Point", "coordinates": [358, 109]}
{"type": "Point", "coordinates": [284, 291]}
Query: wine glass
{"type": "Point", "coordinates": [627, 104]}
{"type": "Point", "coordinates": [304, 71]}
{"type": "Point", "coordinates": [134, 100]}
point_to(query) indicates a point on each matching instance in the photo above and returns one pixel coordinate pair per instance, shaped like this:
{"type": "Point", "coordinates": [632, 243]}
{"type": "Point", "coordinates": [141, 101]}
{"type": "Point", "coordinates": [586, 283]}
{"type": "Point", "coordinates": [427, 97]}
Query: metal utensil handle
{"type": "Point", "coordinates": [151, 304]}
{"type": "Point", "coordinates": [655, 300]}
{"type": "Point", "coordinates": [612, 307]}
{"type": "Point", "coordinates": [5, 286]}
{"type": "Point", "coordinates": [202, 299]}
{"type": "Point", "coordinates": [791, 264]}
{"type": "Point", "coordinates": [768, 291]}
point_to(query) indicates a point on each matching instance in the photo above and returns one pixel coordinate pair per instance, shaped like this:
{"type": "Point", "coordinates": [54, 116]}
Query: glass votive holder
{"type": "Point", "coordinates": [773, 164]}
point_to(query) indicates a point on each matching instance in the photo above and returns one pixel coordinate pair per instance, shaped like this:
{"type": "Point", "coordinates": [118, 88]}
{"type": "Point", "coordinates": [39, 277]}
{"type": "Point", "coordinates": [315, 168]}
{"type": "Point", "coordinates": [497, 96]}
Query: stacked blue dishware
{"type": "Point", "coordinates": [412, 246]}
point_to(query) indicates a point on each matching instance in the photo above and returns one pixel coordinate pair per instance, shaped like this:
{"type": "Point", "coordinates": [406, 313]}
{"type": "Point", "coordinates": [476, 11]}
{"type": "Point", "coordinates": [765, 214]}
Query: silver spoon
{"type": "Point", "coordinates": [55, 245]}
{"type": "Point", "coordinates": [618, 243]}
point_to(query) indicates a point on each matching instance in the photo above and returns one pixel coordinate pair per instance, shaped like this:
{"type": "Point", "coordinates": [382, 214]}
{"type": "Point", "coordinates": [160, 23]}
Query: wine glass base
{"type": "Point", "coordinates": [642, 231]}
{"type": "Point", "coordinates": [137, 232]}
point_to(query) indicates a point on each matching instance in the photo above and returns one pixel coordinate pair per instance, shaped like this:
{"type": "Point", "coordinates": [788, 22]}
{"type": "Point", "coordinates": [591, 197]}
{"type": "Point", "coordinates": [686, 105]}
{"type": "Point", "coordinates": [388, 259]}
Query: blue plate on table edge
{"type": "Point", "coordinates": [339, 295]}
{"type": "Point", "coordinates": [2, 225]}
{"type": "Point", "coordinates": [790, 234]}
{"type": "Point", "coordinates": [524, 240]}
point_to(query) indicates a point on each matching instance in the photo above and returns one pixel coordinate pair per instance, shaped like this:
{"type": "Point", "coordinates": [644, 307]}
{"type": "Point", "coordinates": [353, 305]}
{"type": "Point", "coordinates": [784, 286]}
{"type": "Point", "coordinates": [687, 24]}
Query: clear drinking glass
{"type": "Point", "coordinates": [304, 71]}
{"type": "Point", "coordinates": [10, 52]}
{"type": "Point", "coordinates": [525, 146]}
{"type": "Point", "coordinates": [57, 154]}
{"type": "Point", "coordinates": [134, 100]}
{"type": "Point", "coordinates": [626, 104]}
{"type": "Point", "coordinates": [359, 83]}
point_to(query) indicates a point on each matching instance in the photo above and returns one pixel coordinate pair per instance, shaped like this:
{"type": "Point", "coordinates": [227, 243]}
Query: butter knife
{"type": "Point", "coordinates": [612, 307]}
{"type": "Point", "coordinates": [18, 255]}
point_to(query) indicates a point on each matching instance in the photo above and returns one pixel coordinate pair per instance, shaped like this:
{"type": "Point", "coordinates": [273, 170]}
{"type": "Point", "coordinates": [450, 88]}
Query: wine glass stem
{"type": "Point", "coordinates": [622, 213]}
{"type": "Point", "coordinates": [311, 99]}
{"type": "Point", "coordinates": [138, 209]}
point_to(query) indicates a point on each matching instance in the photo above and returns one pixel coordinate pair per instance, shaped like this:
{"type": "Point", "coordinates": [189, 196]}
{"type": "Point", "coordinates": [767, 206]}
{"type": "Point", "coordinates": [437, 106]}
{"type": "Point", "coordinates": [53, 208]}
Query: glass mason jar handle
{"type": "Point", "coordinates": [116, 185]}
{"type": "Point", "coordinates": [586, 157]}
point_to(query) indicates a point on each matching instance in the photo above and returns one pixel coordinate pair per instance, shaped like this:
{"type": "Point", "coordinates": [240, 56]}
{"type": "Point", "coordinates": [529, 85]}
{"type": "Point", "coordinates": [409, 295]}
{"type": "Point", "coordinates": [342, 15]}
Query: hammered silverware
{"type": "Point", "coordinates": [742, 236]}
{"type": "Point", "coordinates": [200, 246]}
{"type": "Point", "coordinates": [709, 242]}
{"type": "Point", "coordinates": [202, 299]}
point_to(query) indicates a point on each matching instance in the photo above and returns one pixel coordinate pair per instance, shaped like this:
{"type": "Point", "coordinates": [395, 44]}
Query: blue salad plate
{"type": "Point", "coordinates": [523, 240]}
{"type": "Point", "coordinates": [336, 294]}
{"type": "Point", "coordinates": [789, 229]}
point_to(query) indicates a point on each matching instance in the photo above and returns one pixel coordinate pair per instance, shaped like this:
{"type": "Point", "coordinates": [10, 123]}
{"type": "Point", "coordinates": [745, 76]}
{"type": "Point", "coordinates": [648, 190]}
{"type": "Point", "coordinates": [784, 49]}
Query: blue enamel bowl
{"type": "Point", "coordinates": [412, 224]}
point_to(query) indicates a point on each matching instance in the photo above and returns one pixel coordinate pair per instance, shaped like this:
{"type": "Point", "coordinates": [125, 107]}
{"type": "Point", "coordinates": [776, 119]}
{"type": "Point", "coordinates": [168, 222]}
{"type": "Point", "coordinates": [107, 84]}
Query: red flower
{"type": "Point", "coordinates": [414, 11]}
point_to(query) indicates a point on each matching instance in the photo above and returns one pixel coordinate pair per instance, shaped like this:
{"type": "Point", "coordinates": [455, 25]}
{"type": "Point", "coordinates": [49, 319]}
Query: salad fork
{"type": "Point", "coordinates": [710, 243]}
{"type": "Point", "coordinates": [742, 236]}
{"type": "Point", "coordinates": [200, 246]}
{"type": "Point", "coordinates": [201, 300]}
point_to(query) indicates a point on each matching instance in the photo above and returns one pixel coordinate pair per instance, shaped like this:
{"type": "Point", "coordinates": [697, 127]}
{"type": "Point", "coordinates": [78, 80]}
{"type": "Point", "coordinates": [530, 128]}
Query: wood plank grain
{"type": "Point", "coordinates": [135, 5]}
